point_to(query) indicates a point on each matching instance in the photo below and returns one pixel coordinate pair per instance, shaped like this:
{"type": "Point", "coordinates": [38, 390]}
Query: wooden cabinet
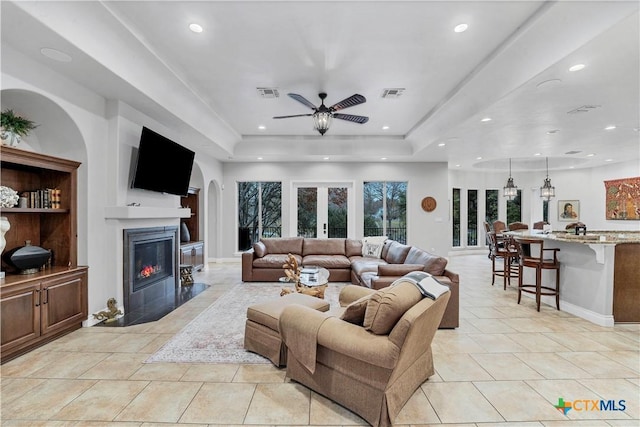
{"type": "Point", "coordinates": [192, 253]}
{"type": "Point", "coordinates": [36, 308]}
{"type": "Point", "coordinates": [192, 201]}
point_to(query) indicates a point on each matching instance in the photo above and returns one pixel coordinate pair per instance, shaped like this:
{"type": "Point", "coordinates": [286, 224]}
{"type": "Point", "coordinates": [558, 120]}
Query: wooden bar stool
{"type": "Point", "coordinates": [531, 253]}
{"type": "Point", "coordinates": [504, 250]}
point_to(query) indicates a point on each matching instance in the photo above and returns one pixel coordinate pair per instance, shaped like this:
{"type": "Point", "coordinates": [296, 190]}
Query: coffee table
{"type": "Point", "coordinates": [314, 288]}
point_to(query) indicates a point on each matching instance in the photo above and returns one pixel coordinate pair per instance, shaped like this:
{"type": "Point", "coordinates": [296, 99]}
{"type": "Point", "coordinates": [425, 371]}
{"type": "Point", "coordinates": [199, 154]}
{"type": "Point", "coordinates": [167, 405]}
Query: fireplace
{"type": "Point", "coordinates": [150, 266]}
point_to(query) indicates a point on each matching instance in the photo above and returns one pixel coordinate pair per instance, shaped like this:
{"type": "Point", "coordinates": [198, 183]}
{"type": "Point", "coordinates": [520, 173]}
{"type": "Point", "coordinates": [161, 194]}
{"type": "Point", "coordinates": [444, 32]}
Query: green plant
{"type": "Point", "coordinates": [16, 124]}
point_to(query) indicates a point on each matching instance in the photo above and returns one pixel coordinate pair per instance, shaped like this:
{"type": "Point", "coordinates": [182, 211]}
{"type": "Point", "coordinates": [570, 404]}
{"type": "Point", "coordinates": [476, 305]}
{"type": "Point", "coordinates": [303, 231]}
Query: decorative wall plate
{"type": "Point", "coordinates": [428, 204]}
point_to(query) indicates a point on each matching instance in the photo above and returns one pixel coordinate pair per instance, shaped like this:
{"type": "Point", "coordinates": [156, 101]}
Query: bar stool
{"type": "Point", "coordinates": [531, 254]}
{"type": "Point", "coordinates": [502, 249]}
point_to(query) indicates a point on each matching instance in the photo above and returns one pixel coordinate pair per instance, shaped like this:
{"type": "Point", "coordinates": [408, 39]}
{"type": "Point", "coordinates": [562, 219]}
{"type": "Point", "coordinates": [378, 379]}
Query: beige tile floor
{"type": "Point", "coordinates": [506, 365]}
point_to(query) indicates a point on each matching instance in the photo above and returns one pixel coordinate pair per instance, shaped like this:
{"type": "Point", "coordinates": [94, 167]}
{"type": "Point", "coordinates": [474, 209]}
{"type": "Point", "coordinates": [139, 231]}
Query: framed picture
{"type": "Point", "coordinates": [568, 210]}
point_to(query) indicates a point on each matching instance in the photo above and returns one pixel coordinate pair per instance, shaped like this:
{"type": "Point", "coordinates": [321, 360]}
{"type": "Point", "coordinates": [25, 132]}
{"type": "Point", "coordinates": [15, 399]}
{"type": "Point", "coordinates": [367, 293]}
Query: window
{"type": "Point", "coordinates": [259, 212]}
{"type": "Point", "coordinates": [385, 210]}
{"type": "Point", "coordinates": [514, 209]}
{"type": "Point", "coordinates": [491, 206]}
{"type": "Point", "coordinates": [472, 217]}
{"type": "Point", "coordinates": [456, 217]}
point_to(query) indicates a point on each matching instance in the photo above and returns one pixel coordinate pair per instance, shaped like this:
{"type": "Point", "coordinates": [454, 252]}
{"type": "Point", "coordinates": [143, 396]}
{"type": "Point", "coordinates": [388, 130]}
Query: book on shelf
{"type": "Point", "coordinates": [44, 198]}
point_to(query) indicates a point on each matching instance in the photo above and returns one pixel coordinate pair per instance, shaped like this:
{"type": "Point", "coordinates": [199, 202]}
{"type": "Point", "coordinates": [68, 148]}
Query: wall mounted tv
{"type": "Point", "coordinates": [162, 165]}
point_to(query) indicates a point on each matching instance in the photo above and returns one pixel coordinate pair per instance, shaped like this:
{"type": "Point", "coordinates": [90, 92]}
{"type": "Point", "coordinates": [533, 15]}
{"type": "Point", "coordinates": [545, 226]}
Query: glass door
{"type": "Point", "coordinates": [322, 211]}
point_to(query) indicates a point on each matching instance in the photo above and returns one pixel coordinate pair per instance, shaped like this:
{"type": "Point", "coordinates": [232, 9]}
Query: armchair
{"type": "Point", "coordinates": [369, 368]}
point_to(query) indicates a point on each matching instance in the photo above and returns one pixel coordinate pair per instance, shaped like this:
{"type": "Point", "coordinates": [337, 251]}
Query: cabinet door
{"type": "Point", "coordinates": [198, 255]}
{"type": "Point", "coordinates": [64, 302]}
{"type": "Point", "coordinates": [186, 255]}
{"type": "Point", "coordinates": [20, 315]}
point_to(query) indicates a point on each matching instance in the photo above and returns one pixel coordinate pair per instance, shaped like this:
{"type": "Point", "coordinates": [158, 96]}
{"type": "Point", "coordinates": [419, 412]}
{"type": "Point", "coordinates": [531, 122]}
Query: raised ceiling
{"type": "Point", "coordinates": [510, 65]}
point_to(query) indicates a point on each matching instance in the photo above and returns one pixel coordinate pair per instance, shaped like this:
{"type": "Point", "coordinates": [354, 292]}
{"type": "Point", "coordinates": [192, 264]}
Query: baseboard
{"type": "Point", "coordinates": [583, 313]}
{"type": "Point", "coordinates": [223, 260]}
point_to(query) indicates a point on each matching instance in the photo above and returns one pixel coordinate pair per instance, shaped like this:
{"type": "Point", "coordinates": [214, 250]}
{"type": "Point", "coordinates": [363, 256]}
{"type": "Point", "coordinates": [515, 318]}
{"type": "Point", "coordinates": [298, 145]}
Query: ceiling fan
{"type": "Point", "coordinates": [322, 115]}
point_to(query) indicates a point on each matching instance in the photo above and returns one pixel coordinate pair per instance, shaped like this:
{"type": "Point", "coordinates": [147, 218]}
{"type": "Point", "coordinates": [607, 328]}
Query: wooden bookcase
{"type": "Point", "coordinates": [192, 252]}
{"type": "Point", "coordinates": [36, 308]}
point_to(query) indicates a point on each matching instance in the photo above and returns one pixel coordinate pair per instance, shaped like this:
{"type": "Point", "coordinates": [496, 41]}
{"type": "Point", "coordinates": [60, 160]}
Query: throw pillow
{"type": "Point", "coordinates": [260, 249]}
{"type": "Point", "coordinates": [388, 305]}
{"type": "Point", "coordinates": [372, 246]}
{"type": "Point", "coordinates": [354, 312]}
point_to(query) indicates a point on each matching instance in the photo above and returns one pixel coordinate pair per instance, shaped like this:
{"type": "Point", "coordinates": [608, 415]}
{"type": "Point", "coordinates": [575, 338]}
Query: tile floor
{"type": "Point", "coordinates": [506, 365]}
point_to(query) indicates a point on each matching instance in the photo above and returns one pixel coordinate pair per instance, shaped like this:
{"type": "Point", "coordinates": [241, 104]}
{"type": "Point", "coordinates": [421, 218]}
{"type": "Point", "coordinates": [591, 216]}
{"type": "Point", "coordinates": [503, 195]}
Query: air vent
{"type": "Point", "coordinates": [573, 152]}
{"type": "Point", "coordinates": [268, 92]}
{"type": "Point", "coordinates": [392, 92]}
{"type": "Point", "coordinates": [583, 109]}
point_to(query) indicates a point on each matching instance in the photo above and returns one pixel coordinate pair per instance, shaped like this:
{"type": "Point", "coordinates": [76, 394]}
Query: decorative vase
{"type": "Point", "coordinates": [9, 138]}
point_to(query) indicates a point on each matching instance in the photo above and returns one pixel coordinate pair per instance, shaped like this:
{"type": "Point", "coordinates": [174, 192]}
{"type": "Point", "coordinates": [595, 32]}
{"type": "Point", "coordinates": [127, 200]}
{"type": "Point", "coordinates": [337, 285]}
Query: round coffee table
{"type": "Point", "coordinates": [308, 286]}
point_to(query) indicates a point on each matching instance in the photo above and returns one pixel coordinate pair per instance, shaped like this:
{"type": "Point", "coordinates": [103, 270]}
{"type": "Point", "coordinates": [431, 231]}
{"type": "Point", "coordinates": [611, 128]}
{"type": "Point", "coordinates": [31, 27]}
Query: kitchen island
{"type": "Point", "coordinates": [599, 274]}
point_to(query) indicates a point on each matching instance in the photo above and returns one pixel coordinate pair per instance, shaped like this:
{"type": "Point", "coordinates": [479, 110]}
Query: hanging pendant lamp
{"type": "Point", "coordinates": [510, 191]}
{"type": "Point", "coordinates": [547, 191]}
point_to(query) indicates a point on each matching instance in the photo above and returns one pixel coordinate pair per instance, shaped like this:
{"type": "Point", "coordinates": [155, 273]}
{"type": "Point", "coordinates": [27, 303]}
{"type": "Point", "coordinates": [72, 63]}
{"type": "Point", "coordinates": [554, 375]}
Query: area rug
{"type": "Point", "coordinates": [217, 334]}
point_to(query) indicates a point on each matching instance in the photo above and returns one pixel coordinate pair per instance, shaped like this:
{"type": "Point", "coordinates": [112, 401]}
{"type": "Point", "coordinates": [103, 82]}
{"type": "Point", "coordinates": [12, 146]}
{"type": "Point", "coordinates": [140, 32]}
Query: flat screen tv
{"type": "Point", "coordinates": [162, 165]}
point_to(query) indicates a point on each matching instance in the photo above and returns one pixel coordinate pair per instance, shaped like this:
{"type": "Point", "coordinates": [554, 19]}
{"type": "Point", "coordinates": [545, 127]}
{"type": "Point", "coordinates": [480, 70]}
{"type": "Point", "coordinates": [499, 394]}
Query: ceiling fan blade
{"type": "Point", "coordinates": [351, 118]}
{"type": "Point", "coordinates": [295, 115]}
{"type": "Point", "coordinates": [301, 99]}
{"type": "Point", "coordinates": [349, 102]}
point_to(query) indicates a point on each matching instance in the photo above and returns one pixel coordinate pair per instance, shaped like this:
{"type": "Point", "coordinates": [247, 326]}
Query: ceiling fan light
{"type": "Point", "coordinates": [322, 121]}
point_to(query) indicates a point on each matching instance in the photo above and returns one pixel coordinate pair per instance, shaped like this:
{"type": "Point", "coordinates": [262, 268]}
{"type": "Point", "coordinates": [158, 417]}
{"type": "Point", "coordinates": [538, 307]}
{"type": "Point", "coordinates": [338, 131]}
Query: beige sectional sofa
{"type": "Point", "coordinates": [345, 262]}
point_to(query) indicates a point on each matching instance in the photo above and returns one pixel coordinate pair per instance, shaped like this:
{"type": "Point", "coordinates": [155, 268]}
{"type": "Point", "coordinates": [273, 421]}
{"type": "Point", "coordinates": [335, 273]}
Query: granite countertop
{"type": "Point", "coordinates": [592, 237]}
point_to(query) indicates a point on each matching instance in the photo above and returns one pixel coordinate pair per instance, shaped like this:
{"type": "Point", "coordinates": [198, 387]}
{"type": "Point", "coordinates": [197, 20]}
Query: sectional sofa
{"type": "Point", "coordinates": [345, 261]}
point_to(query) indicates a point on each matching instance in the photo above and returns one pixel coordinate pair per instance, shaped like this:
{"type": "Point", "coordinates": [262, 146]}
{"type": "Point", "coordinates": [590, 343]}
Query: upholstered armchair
{"type": "Point", "coordinates": [373, 357]}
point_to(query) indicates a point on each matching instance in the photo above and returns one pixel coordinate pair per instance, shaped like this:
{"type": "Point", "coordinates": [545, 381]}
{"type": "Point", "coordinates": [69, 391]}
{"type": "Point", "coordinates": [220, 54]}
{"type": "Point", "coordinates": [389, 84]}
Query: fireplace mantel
{"type": "Point", "coordinates": [144, 212]}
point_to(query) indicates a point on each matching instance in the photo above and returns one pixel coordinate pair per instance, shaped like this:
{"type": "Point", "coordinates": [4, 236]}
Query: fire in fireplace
{"type": "Point", "coordinates": [150, 261]}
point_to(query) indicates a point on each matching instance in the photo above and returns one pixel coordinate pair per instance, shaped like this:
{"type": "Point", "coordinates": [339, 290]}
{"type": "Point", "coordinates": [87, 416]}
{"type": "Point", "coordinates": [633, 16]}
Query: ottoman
{"type": "Point", "coordinates": [261, 333]}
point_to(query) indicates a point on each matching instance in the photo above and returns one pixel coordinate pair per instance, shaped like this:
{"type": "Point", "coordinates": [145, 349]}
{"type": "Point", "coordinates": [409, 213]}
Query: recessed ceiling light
{"type": "Point", "coordinates": [383, 158]}
{"type": "Point", "coordinates": [576, 67]}
{"type": "Point", "coordinates": [196, 28]}
{"type": "Point", "coordinates": [457, 166]}
{"type": "Point", "coordinates": [55, 54]}
{"type": "Point", "coordinates": [262, 127]}
{"type": "Point", "coordinates": [538, 154]}
{"type": "Point", "coordinates": [442, 144]}
{"type": "Point", "coordinates": [609, 160]}
{"type": "Point", "coordinates": [461, 28]}
{"type": "Point", "coordinates": [590, 155]}
{"type": "Point", "coordinates": [385, 127]}
{"type": "Point", "coordinates": [486, 119]}
{"type": "Point", "coordinates": [325, 158]}
{"type": "Point", "coordinates": [479, 158]}
{"type": "Point", "coordinates": [259, 158]}
{"type": "Point", "coordinates": [572, 167]}
{"type": "Point", "coordinates": [610, 127]}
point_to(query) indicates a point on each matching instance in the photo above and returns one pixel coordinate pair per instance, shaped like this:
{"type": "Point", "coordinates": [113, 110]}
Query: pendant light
{"type": "Point", "coordinates": [547, 191]}
{"type": "Point", "coordinates": [510, 191]}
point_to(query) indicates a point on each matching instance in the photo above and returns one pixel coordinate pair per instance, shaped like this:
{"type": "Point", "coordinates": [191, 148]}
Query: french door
{"type": "Point", "coordinates": [323, 210]}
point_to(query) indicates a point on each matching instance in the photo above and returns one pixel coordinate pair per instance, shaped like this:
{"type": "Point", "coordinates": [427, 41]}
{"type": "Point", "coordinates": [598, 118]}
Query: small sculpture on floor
{"type": "Point", "coordinates": [110, 314]}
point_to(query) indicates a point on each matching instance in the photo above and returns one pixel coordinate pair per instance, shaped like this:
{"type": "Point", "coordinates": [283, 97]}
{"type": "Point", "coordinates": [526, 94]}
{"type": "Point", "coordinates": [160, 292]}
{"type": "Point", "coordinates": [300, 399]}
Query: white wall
{"type": "Point", "coordinates": [426, 230]}
{"type": "Point", "coordinates": [584, 185]}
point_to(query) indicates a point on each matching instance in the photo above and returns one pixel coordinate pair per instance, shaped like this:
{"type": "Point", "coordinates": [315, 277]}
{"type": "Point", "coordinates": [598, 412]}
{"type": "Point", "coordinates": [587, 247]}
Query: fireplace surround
{"type": "Point", "coordinates": [150, 266]}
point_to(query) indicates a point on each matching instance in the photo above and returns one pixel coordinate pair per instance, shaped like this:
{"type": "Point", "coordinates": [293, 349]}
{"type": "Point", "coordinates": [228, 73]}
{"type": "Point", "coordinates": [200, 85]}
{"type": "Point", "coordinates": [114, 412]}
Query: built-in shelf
{"type": "Point", "coordinates": [34, 210]}
{"type": "Point", "coordinates": [144, 212]}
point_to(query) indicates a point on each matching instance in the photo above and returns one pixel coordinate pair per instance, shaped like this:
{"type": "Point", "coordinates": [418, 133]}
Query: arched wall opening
{"type": "Point", "coordinates": [58, 135]}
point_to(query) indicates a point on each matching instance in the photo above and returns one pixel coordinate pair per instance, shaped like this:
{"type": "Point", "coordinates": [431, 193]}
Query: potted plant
{"type": "Point", "coordinates": [14, 127]}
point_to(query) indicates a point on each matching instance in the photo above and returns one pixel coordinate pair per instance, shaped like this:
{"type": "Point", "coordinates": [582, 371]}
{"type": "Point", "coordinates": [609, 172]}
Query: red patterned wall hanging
{"type": "Point", "coordinates": [623, 198]}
